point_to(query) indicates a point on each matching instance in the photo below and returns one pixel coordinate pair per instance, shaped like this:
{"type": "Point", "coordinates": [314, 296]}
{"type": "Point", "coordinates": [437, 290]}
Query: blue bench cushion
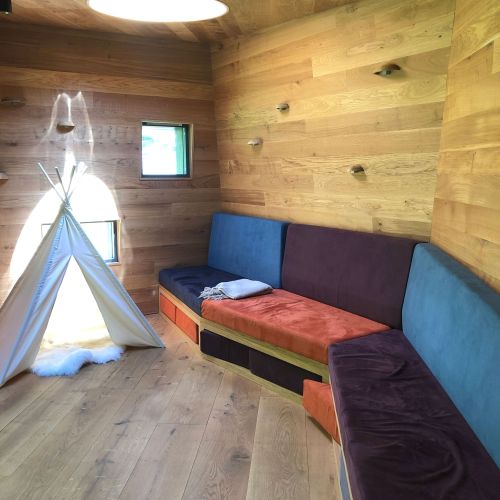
{"type": "Point", "coordinates": [402, 437]}
{"type": "Point", "coordinates": [186, 283]}
{"type": "Point", "coordinates": [248, 246]}
{"type": "Point", "coordinates": [452, 319]}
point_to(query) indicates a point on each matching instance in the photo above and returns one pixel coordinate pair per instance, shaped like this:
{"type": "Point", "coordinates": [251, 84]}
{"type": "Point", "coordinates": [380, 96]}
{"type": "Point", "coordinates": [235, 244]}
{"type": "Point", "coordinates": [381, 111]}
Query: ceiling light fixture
{"type": "Point", "coordinates": [160, 11]}
{"type": "Point", "coordinates": [5, 7]}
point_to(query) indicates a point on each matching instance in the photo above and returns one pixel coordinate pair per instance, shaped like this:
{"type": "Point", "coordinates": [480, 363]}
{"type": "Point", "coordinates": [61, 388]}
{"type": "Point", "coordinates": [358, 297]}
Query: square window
{"type": "Point", "coordinates": [102, 234]}
{"type": "Point", "coordinates": [166, 150]}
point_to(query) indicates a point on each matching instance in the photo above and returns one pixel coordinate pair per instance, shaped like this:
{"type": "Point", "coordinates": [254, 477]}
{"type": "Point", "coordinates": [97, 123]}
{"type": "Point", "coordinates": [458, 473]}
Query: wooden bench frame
{"type": "Point", "coordinates": [259, 345]}
{"type": "Point", "coordinates": [339, 455]}
{"type": "Point", "coordinates": [269, 349]}
{"type": "Point", "coordinates": [179, 304]}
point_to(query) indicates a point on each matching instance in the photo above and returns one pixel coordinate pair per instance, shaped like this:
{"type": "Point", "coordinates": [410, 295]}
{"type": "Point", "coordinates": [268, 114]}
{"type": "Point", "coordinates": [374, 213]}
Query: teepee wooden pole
{"type": "Point", "coordinates": [50, 181]}
{"type": "Point", "coordinates": [81, 169]}
{"type": "Point", "coordinates": [62, 184]}
{"type": "Point", "coordinates": [73, 168]}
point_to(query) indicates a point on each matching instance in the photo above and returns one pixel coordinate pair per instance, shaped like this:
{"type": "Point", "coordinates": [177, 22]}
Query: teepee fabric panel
{"type": "Point", "coordinates": [125, 322]}
{"type": "Point", "coordinates": [26, 311]}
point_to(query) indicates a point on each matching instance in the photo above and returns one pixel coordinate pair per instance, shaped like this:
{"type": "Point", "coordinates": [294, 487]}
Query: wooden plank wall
{"type": "Point", "coordinates": [123, 80]}
{"type": "Point", "coordinates": [466, 219]}
{"type": "Point", "coordinates": [340, 115]}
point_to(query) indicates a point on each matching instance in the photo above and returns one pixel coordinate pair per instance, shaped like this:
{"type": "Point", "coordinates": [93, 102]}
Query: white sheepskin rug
{"type": "Point", "coordinates": [67, 360]}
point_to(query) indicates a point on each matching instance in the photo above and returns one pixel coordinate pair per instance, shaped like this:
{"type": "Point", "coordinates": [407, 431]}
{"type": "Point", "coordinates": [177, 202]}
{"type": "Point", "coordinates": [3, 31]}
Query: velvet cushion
{"type": "Point", "coordinates": [362, 273]}
{"type": "Point", "coordinates": [318, 402]}
{"type": "Point", "coordinates": [186, 283]}
{"type": "Point", "coordinates": [267, 367]}
{"type": "Point", "coordinates": [452, 318]}
{"type": "Point", "coordinates": [225, 349]}
{"type": "Point", "coordinates": [248, 246]}
{"type": "Point", "coordinates": [286, 320]}
{"type": "Point", "coordinates": [280, 372]}
{"type": "Point", "coordinates": [402, 436]}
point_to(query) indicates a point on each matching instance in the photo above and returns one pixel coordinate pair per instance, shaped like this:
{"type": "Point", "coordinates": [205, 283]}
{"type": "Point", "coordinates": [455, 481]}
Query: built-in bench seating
{"type": "Point", "coordinates": [337, 285]}
{"type": "Point", "coordinates": [240, 247]}
{"type": "Point", "coordinates": [406, 402]}
{"type": "Point", "coordinates": [422, 408]}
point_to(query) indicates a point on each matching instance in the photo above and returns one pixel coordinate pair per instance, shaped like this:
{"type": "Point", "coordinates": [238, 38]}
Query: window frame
{"type": "Point", "coordinates": [188, 127]}
{"type": "Point", "coordinates": [116, 225]}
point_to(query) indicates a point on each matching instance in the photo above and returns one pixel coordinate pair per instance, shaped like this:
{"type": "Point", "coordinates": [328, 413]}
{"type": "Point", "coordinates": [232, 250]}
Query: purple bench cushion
{"type": "Point", "coordinates": [362, 273]}
{"type": "Point", "coordinates": [402, 436]}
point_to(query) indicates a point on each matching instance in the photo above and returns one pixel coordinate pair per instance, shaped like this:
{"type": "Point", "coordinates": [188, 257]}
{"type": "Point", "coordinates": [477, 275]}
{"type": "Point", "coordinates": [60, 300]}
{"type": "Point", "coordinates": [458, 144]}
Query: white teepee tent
{"type": "Point", "coordinates": [26, 312]}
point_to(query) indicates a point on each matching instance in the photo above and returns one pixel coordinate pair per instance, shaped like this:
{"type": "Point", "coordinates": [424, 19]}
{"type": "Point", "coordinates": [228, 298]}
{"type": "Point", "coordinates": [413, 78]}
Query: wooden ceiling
{"type": "Point", "coordinates": [244, 17]}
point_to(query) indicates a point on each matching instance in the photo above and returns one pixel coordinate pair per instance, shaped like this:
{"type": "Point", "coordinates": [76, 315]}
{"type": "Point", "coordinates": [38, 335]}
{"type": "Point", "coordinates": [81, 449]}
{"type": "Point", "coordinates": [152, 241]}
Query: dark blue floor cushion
{"type": "Point", "coordinates": [186, 283]}
{"type": "Point", "coordinates": [274, 370]}
{"type": "Point", "coordinates": [402, 436]}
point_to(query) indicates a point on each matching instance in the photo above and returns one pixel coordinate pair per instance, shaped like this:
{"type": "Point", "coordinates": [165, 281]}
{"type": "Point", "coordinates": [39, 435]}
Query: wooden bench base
{"type": "Point", "coordinates": [269, 349]}
{"type": "Point", "coordinates": [176, 311]}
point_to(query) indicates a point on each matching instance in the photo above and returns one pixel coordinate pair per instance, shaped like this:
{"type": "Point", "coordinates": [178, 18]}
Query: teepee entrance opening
{"type": "Point", "coordinates": [76, 317]}
{"type": "Point", "coordinates": [76, 333]}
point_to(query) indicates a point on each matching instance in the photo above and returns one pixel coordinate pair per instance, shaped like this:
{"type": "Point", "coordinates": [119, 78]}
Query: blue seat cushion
{"type": "Point", "coordinates": [186, 283]}
{"type": "Point", "coordinates": [248, 246]}
{"type": "Point", "coordinates": [452, 319]}
{"type": "Point", "coordinates": [402, 437]}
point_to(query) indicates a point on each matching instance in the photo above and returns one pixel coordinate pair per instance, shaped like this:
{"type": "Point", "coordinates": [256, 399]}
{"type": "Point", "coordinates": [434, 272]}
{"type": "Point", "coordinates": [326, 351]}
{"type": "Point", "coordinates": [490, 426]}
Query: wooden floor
{"type": "Point", "coordinates": [158, 424]}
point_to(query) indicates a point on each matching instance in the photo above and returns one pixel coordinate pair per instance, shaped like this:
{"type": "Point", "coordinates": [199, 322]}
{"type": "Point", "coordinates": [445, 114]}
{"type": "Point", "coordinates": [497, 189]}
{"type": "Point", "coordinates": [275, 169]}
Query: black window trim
{"type": "Point", "coordinates": [188, 127]}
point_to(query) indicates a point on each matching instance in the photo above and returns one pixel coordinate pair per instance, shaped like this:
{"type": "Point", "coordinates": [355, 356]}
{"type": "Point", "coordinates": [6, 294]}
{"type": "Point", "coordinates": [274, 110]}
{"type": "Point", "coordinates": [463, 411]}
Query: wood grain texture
{"type": "Point", "coordinates": [280, 468]}
{"type": "Point", "coordinates": [222, 466]}
{"type": "Point", "coordinates": [323, 473]}
{"type": "Point", "coordinates": [77, 438]}
{"type": "Point", "coordinates": [340, 115]}
{"type": "Point", "coordinates": [466, 221]}
{"type": "Point", "coordinates": [123, 80]}
{"type": "Point", "coordinates": [243, 17]}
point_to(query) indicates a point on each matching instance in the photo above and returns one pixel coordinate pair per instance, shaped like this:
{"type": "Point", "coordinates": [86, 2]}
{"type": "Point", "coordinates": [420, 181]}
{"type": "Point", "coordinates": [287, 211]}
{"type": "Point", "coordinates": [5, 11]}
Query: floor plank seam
{"type": "Point", "coordinates": [29, 404]}
{"type": "Point", "coordinates": [204, 433]}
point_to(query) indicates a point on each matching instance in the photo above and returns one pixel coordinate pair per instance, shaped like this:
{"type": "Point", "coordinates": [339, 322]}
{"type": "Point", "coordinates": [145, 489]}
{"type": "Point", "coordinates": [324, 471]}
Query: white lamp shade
{"type": "Point", "coordinates": [160, 11]}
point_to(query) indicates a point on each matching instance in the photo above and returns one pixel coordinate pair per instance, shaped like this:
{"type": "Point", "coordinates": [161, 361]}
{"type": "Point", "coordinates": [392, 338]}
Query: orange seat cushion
{"type": "Point", "coordinates": [187, 325]}
{"type": "Point", "coordinates": [167, 308]}
{"type": "Point", "coordinates": [290, 321]}
{"type": "Point", "coordinates": [318, 402]}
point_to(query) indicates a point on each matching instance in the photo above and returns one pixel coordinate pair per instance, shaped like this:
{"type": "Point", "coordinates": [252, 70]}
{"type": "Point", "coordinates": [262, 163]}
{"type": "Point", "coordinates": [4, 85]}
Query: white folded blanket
{"type": "Point", "coordinates": [238, 289]}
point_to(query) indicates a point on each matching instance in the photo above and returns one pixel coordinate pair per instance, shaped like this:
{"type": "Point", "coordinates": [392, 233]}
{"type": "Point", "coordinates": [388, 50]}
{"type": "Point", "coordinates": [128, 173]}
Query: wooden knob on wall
{"type": "Point", "coordinates": [65, 127]}
{"type": "Point", "coordinates": [283, 106]}
{"type": "Point", "coordinates": [12, 102]}
{"type": "Point", "coordinates": [387, 69]}
{"type": "Point", "coordinates": [256, 141]}
{"type": "Point", "coordinates": [357, 170]}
